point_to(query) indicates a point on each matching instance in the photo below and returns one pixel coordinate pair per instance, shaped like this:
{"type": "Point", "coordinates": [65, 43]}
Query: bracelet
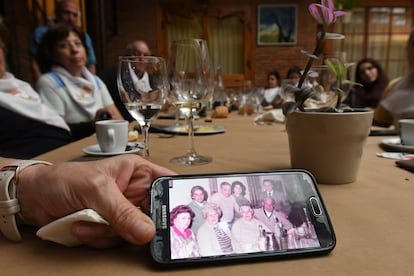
{"type": "Point", "coordinates": [9, 205]}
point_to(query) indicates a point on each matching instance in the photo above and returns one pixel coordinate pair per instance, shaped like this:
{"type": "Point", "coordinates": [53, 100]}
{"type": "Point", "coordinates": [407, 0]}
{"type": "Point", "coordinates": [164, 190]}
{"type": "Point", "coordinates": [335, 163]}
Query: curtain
{"type": "Point", "coordinates": [226, 44]}
{"type": "Point", "coordinates": [225, 39]}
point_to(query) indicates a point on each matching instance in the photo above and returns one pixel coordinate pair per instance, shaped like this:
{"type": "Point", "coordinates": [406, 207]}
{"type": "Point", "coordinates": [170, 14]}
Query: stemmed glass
{"type": "Point", "coordinates": [143, 85]}
{"type": "Point", "coordinates": [192, 85]}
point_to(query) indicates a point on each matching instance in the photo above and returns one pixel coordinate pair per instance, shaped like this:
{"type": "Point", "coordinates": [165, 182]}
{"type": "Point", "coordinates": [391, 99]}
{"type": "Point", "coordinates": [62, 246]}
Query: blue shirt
{"type": "Point", "coordinates": [37, 36]}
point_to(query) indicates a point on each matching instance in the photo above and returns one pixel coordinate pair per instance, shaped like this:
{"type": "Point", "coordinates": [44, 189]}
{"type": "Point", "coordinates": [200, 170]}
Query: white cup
{"type": "Point", "coordinates": [406, 131]}
{"type": "Point", "coordinates": [112, 135]}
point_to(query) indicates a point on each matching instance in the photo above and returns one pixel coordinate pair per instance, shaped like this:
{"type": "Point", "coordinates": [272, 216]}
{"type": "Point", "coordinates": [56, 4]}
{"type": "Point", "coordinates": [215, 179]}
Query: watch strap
{"type": "Point", "coordinates": [9, 205]}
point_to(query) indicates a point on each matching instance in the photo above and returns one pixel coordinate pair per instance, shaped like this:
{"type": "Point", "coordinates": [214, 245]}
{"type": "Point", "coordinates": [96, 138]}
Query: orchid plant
{"type": "Point", "coordinates": [325, 15]}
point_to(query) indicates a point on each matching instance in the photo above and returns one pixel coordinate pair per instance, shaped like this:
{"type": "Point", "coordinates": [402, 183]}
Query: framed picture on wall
{"type": "Point", "coordinates": [276, 24]}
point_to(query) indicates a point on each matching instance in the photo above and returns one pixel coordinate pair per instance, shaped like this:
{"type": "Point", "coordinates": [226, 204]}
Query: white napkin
{"type": "Point", "coordinates": [270, 93]}
{"type": "Point", "coordinates": [82, 89]}
{"type": "Point", "coordinates": [142, 83]}
{"type": "Point", "coordinates": [19, 97]}
{"type": "Point", "coordinates": [270, 116]}
{"type": "Point", "coordinates": [59, 230]}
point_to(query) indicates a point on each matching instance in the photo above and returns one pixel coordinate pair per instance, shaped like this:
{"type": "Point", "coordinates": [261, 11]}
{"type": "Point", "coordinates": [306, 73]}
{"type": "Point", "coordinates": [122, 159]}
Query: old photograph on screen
{"type": "Point", "coordinates": [239, 214]}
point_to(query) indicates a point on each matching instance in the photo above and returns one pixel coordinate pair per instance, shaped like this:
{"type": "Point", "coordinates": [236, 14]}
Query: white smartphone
{"type": "Point", "coordinates": [239, 216]}
{"type": "Point", "coordinates": [59, 230]}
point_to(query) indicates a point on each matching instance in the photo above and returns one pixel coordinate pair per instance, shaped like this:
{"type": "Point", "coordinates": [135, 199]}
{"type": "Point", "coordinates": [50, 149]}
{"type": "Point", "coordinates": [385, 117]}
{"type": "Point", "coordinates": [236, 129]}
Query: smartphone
{"type": "Point", "coordinates": [238, 216]}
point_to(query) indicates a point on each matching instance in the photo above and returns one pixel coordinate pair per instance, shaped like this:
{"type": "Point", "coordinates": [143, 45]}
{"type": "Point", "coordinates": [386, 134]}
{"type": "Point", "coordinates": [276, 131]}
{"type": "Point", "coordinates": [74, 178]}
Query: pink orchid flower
{"type": "Point", "coordinates": [325, 13]}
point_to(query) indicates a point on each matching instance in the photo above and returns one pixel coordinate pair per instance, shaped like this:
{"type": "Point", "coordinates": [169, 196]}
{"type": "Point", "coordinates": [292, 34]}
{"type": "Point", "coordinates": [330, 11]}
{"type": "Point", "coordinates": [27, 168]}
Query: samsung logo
{"type": "Point", "coordinates": [164, 217]}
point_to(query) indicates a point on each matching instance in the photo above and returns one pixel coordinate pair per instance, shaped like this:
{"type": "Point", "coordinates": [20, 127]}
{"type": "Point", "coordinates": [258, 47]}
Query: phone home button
{"type": "Point", "coordinates": [316, 208]}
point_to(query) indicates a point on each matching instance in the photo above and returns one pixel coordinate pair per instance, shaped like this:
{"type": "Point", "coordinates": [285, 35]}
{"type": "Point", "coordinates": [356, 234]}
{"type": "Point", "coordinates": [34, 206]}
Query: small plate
{"type": "Point", "coordinates": [198, 129]}
{"type": "Point", "coordinates": [395, 144]}
{"type": "Point", "coordinates": [96, 150]}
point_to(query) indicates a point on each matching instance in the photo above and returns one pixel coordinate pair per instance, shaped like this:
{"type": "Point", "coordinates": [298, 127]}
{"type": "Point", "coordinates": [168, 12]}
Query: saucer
{"type": "Point", "coordinates": [96, 150]}
{"type": "Point", "coordinates": [395, 144]}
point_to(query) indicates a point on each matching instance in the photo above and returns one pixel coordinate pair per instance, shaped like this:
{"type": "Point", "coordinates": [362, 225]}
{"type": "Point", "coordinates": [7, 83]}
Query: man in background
{"type": "Point", "coordinates": [109, 76]}
{"type": "Point", "coordinates": [66, 11]}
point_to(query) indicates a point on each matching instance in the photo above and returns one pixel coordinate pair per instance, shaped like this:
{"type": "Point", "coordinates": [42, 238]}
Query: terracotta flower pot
{"type": "Point", "coordinates": [329, 145]}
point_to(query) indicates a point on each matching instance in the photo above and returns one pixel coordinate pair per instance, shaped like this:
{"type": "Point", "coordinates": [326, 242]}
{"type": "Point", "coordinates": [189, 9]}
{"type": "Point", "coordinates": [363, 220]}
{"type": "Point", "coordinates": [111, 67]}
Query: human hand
{"type": "Point", "coordinates": [102, 114]}
{"type": "Point", "coordinates": [113, 187]}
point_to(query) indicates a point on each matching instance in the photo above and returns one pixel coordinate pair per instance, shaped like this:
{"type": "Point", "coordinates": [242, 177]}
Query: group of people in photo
{"type": "Point", "coordinates": [230, 221]}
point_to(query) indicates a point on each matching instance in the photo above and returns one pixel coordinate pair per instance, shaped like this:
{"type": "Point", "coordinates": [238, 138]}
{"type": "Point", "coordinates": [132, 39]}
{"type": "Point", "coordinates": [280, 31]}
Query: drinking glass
{"type": "Point", "coordinates": [192, 84]}
{"type": "Point", "coordinates": [143, 85]}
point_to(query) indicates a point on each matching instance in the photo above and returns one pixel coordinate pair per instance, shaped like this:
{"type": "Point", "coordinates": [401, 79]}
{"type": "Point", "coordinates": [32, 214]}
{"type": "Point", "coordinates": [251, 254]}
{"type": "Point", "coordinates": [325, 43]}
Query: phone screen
{"type": "Point", "coordinates": [234, 216]}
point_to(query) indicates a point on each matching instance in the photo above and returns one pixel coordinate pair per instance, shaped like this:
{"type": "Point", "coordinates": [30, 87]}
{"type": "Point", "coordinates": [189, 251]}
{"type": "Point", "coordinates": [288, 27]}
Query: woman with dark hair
{"type": "Point", "coordinates": [183, 241]}
{"type": "Point", "coordinates": [80, 97]}
{"type": "Point", "coordinates": [294, 72]}
{"type": "Point", "coordinates": [271, 94]}
{"type": "Point", "coordinates": [373, 79]}
{"type": "Point", "coordinates": [199, 198]}
{"type": "Point", "coordinates": [238, 190]}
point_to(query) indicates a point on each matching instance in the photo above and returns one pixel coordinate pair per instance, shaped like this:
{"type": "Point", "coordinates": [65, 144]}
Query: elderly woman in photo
{"type": "Point", "coordinates": [183, 241]}
{"type": "Point", "coordinates": [214, 237]}
{"type": "Point", "coordinates": [28, 127]}
{"type": "Point", "coordinates": [247, 230]}
{"type": "Point", "coordinates": [80, 97]}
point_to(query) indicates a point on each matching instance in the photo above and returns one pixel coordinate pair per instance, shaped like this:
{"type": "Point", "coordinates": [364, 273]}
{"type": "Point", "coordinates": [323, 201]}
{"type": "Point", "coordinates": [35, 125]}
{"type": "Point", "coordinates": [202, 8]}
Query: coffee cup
{"type": "Point", "coordinates": [112, 135]}
{"type": "Point", "coordinates": [406, 131]}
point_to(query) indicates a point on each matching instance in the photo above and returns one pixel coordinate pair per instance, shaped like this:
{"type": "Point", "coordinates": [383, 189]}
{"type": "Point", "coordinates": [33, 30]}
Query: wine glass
{"type": "Point", "coordinates": [192, 85]}
{"type": "Point", "coordinates": [143, 85]}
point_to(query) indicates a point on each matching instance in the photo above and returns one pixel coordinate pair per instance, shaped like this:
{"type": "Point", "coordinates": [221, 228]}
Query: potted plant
{"type": "Point", "coordinates": [327, 140]}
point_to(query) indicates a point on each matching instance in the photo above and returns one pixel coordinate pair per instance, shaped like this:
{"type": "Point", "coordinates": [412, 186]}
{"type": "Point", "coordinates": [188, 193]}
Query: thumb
{"type": "Point", "coordinates": [131, 223]}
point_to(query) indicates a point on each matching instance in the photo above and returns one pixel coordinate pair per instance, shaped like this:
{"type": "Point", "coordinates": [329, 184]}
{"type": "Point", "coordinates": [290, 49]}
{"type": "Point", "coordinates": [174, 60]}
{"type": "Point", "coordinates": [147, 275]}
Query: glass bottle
{"type": "Point", "coordinates": [262, 239]}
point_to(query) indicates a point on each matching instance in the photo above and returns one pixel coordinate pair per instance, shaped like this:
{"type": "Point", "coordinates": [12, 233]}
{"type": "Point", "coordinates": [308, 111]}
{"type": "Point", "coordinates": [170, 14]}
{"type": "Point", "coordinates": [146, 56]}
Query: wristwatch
{"type": "Point", "coordinates": [9, 205]}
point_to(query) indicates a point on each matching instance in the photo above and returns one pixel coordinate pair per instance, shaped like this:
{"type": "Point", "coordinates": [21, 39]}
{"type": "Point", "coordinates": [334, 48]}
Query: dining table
{"type": "Point", "coordinates": [373, 217]}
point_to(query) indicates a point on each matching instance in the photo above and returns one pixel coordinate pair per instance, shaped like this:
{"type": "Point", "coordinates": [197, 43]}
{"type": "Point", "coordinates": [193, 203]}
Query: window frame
{"type": "Point", "coordinates": [366, 33]}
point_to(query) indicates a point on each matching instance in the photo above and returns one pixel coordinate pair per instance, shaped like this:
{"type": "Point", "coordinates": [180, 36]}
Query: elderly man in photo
{"type": "Point", "coordinates": [272, 218]}
{"type": "Point", "coordinates": [271, 188]}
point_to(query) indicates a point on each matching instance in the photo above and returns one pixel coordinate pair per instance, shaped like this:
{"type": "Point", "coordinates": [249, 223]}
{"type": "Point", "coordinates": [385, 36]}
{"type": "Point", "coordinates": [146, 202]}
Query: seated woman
{"type": "Point", "coordinates": [183, 240]}
{"type": "Point", "coordinates": [28, 127]}
{"type": "Point", "coordinates": [246, 232]}
{"type": "Point", "coordinates": [398, 98]}
{"type": "Point", "coordinates": [214, 236]}
{"type": "Point", "coordinates": [373, 79]}
{"type": "Point", "coordinates": [80, 97]}
{"type": "Point", "coordinates": [271, 97]}
{"type": "Point", "coordinates": [294, 72]}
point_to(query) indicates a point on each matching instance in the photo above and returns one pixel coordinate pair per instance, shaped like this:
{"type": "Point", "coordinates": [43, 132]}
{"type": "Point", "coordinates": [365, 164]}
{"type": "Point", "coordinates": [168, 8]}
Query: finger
{"type": "Point", "coordinates": [132, 224]}
{"type": "Point", "coordinates": [126, 220]}
{"type": "Point", "coordinates": [95, 235]}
